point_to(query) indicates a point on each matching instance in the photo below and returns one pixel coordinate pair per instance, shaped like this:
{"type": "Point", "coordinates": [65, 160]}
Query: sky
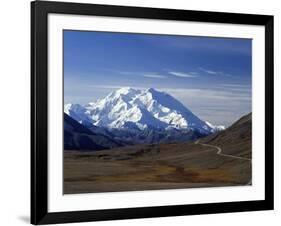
{"type": "Point", "coordinates": [211, 76]}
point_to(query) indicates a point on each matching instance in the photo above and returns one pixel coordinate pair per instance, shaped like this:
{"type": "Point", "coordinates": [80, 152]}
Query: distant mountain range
{"type": "Point", "coordinates": [130, 116]}
{"type": "Point", "coordinates": [79, 137]}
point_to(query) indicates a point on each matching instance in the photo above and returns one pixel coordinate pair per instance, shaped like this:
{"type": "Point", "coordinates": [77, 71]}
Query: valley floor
{"type": "Point", "coordinates": [148, 167]}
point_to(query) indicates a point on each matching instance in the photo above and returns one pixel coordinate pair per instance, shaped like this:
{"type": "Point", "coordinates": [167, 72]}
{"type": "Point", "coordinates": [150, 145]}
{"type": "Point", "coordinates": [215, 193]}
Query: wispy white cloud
{"type": "Point", "coordinates": [211, 94]}
{"type": "Point", "coordinates": [152, 75]}
{"type": "Point", "coordinates": [142, 74]}
{"type": "Point", "coordinates": [158, 74]}
{"type": "Point", "coordinates": [245, 88]}
{"type": "Point", "coordinates": [236, 85]}
{"type": "Point", "coordinates": [212, 72]}
{"type": "Point", "coordinates": [183, 74]}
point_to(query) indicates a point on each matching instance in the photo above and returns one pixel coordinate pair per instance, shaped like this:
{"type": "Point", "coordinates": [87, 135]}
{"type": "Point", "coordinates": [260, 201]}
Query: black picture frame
{"type": "Point", "coordinates": [39, 112]}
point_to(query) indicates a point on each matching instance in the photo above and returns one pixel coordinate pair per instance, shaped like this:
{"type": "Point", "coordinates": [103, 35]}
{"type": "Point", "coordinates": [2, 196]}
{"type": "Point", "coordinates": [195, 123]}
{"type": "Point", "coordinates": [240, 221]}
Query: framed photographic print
{"type": "Point", "coordinates": [144, 112]}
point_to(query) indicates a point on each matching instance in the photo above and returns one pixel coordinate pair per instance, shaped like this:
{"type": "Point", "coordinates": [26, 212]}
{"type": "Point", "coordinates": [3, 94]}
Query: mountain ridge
{"type": "Point", "coordinates": [79, 137]}
{"type": "Point", "coordinates": [147, 108]}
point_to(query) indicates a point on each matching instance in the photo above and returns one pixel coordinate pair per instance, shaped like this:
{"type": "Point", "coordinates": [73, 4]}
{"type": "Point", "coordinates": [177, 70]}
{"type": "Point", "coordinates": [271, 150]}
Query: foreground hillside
{"type": "Point", "coordinates": [221, 159]}
{"type": "Point", "coordinates": [236, 140]}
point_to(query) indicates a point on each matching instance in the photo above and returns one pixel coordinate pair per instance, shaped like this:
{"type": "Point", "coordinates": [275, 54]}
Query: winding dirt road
{"type": "Point", "coordinates": [219, 152]}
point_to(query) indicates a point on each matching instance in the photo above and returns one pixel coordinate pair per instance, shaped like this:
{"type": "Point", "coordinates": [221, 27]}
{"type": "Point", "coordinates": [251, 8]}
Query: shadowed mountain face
{"type": "Point", "coordinates": [79, 137]}
{"type": "Point", "coordinates": [221, 159]}
{"type": "Point", "coordinates": [235, 140]}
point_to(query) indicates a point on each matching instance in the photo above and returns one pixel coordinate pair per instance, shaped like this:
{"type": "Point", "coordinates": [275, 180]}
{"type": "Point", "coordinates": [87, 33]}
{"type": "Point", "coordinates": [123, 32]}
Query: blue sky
{"type": "Point", "coordinates": [210, 76]}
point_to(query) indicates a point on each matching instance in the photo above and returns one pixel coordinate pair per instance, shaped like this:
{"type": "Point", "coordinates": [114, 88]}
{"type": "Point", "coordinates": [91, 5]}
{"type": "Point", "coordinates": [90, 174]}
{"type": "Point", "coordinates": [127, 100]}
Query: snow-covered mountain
{"type": "Point", "coordinates": [215, 128]}
{"type": "Point", "coordinates": [132, 116]}
{"type": "Point", "coordinates": [133, 109]}
{"type": "Point", "coordinates": [78, 112]}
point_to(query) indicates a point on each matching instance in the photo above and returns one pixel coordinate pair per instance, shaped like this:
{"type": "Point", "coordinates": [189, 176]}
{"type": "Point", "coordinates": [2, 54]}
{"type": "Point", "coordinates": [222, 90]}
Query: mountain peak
{"type": "Point", "coordinates": [129, 90]}
{"type": "Point", "coordinates": [147, 108]}
{"type": "Point", "coordinates": [72, 107]}
{"type": "Point", "coordinates": [125, 90]}
{"type": "Point", "coordinates": [151, 90]}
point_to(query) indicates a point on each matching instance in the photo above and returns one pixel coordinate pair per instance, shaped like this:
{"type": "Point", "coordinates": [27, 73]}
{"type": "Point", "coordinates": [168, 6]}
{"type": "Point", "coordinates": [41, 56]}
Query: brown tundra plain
{"type": "Point", "coordinates": [221, 159]}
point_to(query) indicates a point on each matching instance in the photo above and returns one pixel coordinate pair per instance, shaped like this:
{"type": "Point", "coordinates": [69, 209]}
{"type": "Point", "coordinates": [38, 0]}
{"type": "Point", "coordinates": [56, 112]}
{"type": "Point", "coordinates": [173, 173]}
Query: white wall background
{"type": "Point", "coordinates": [15, 113]}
